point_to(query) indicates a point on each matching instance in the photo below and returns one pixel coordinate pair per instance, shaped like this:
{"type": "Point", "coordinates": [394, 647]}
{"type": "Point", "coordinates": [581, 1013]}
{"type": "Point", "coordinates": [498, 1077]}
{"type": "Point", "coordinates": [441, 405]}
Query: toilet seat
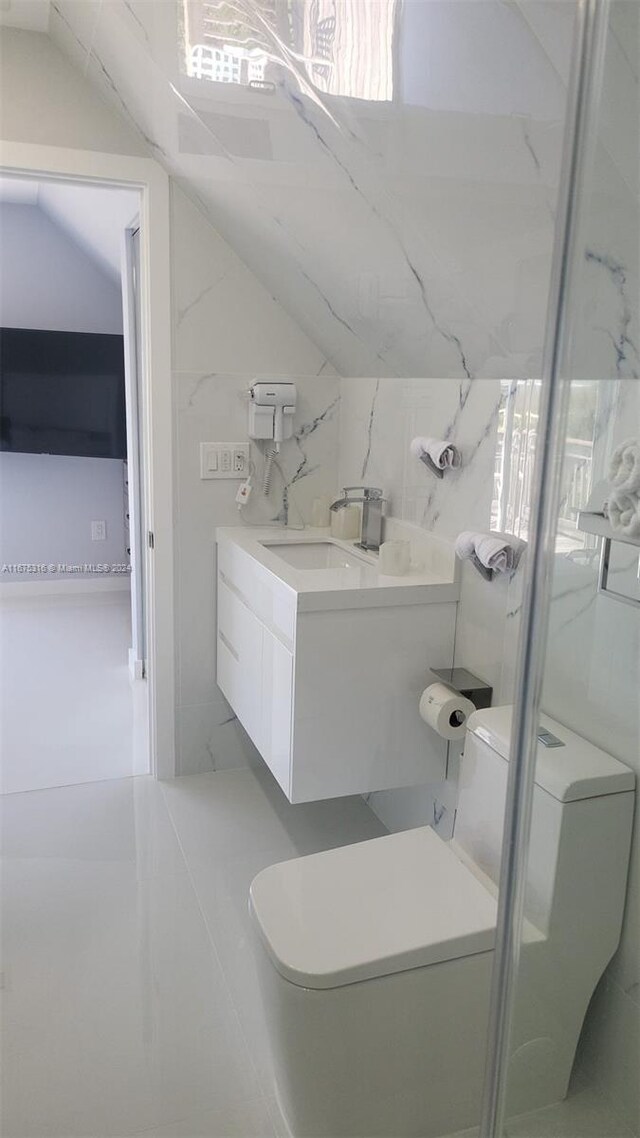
{"type": "Point", "coordinates": [379, 907]}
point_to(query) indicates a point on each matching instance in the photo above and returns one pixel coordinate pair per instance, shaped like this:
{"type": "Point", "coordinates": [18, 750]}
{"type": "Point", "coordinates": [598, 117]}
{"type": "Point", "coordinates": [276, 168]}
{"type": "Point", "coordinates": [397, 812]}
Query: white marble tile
{"type": "Point", "coordinates": [379, 418]}
{"type": "Point", "coordinates": [213, 408]}
{"type": "Point", "coordinates": [116, 1014]}
{"type": "Point", "coordinates": [262, 828]}
{"type": "Point", "coordinates": [583, 1114]}
{"type": "Point", "coordinates": [222, 889]}
{"type": "Point", "coordinates": [210, 738]}
{"type": "Point", "coordinates": [251, 1119]}
{"type": "Point", "coordinates": [118, 829]}
{"type": "Point", "coordinates": [224, 320]}
{"type": "Point", "coordinates": [354, 213]}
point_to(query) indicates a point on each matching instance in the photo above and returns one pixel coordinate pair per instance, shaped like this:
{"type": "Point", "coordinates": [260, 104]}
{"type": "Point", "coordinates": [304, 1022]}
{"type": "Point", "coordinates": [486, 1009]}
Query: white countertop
{"type": "Point", "coordinates": [432, 578]}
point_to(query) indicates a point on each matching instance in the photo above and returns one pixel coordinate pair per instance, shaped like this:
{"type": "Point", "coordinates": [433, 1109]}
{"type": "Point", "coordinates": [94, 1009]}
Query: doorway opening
{"type": "Point", "coordinates": [73, 512]}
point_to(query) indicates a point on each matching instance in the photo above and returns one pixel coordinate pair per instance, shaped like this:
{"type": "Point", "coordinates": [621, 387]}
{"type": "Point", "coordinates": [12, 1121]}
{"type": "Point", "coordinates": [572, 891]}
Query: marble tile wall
{"type": "Point", "coordinates": [378, 420]}
{"type": "Point", "coordinates": [372, 216]}
{"type": "Point", "coordinates": [228, 332]}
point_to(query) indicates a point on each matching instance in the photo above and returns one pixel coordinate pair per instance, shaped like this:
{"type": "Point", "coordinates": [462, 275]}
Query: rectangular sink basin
{"type": "Point", "coordinates": [315, 555]}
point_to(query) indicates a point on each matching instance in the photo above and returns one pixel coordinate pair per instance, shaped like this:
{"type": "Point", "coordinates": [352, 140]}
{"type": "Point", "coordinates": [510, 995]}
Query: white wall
{"type": "Point", "coordinates": [47, 502]}
{"type": "Point", "coordinates": [47, 281]}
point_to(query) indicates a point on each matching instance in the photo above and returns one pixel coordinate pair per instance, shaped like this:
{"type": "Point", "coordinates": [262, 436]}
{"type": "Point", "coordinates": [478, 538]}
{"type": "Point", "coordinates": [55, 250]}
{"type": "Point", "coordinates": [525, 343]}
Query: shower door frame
{"type": "Point", "coordinates": [584, 89]}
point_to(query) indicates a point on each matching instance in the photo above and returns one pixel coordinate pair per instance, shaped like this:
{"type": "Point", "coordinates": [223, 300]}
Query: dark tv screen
{"type": "Point", "coordinates": [62, 393]}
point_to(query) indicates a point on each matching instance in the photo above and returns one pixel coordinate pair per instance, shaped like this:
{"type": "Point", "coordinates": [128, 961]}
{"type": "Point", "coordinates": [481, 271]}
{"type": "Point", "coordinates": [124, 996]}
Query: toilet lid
{"type": "Point", "coordinates": [393, 903]}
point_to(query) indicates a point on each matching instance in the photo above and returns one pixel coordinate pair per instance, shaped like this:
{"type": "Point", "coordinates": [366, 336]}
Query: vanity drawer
{"type": "Point", "coordinates": [239, 668]}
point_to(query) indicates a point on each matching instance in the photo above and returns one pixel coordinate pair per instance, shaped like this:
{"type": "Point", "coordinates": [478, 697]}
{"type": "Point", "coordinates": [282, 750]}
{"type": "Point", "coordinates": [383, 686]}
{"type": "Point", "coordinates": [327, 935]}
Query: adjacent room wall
{"type": "Point", "coordinates": [47, 502]}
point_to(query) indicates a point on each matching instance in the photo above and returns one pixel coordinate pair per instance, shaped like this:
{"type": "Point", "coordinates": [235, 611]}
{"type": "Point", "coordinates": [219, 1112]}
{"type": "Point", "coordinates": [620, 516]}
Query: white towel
{"type": "Point", "coordinates": [624, 467]}
{"type": "Point", "coordinates": [443, 454]}
{"type": "Point", "coordinates": [623, 511]}
{"type": "Point", "coordinates": [498, 551]}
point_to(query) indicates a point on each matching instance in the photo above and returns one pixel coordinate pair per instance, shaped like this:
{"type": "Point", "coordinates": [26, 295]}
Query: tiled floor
{"type": "Point", "coordinates": [67, 656]}
{"type": "Point", "coordinates": [131, 1003]}
{"type": "Point", "coordinates": [583, 1114]}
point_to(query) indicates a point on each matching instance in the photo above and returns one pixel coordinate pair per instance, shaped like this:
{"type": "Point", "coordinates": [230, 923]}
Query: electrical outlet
{"type": "Point", "coordinates": [98, 531]}
{"type": "Point", "coordinates": [240, 460]}
{"type": "Point", "coordinates": [224, 460]}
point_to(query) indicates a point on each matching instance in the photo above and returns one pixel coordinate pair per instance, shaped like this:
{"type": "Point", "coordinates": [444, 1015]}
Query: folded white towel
{"type": "Point", "coordinates": [498, 551]}
{"type": "Point", "coordinates": [443, 454]}
{"type": "Point", "coordinates": [624, 467]}
{"type": "Point", "coordinates": [623, 511]}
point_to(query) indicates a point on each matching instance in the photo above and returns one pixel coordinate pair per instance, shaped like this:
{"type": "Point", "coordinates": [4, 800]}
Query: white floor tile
{"type": "Point", "coordinates": [116, 1014]}
{"type": "Point", "coordinates": [583, 1114]}
{"type": "Point", "coordinates": [223, 893]}
{"type": "Point", "coordinates": [232, 824]}
{"type": "Point", "coordinates": [249, 1120]}
{"type": "Point", "coordinates": [131, 1001]}
{"type": "Point", "coordinates": [69, 712]}
{"type": "Point", "coordinates": [119, 826]}
{"type": "Point", "coordinates": [230, 812]}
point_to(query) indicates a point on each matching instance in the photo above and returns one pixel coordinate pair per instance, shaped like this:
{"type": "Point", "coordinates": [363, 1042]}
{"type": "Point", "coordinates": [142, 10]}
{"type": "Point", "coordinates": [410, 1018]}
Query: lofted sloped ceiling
{"type": "Point", "coordinates": [94, 217]}
{"type": "Point", "coordinates": [387, 168]}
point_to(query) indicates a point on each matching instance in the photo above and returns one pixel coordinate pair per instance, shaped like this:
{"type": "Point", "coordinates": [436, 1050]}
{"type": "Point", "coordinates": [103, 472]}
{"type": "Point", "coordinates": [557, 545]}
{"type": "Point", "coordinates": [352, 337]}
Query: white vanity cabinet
{"type": "Point", "coordinates": [327, 683]}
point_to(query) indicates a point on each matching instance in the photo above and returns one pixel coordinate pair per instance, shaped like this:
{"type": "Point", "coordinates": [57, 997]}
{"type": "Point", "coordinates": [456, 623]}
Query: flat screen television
{"type": "Point", "coordinates": [62, 393]}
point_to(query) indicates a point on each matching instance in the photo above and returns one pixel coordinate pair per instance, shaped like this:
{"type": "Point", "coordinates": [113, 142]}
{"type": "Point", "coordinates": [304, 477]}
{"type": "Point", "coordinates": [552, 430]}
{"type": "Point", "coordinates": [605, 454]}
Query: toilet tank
{"type": "Point", "coordinates": [580, 829]}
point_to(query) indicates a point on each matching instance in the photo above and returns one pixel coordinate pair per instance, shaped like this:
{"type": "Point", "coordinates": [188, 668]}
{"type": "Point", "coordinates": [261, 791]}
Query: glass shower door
{"type": "Point", "coordinates": [584, 673]}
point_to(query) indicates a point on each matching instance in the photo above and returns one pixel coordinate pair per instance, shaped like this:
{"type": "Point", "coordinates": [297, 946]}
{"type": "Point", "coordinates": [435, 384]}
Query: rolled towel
{"type": "Point", "coordinates": [500, 552]}
{"type": "Point", "coordinates": [624, 467]}
{"type": "Point", "coordinates": [623, 511]}
{"type": "Point", "coordinates": [443, 454]}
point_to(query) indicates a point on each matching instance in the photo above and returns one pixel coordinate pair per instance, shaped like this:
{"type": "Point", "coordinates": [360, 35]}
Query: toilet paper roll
{"type": "Point", "coordinates": [445, 710]}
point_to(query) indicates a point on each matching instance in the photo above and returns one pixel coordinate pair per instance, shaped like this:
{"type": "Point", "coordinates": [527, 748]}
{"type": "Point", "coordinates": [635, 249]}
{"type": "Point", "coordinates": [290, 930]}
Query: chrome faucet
{"type": "Point", "coordinates": [372, 502]}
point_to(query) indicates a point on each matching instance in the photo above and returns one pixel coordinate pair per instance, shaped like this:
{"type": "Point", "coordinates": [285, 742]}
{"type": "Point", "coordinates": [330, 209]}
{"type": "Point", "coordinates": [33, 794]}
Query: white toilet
{"type": "Point", "coordinates": [375, 959]}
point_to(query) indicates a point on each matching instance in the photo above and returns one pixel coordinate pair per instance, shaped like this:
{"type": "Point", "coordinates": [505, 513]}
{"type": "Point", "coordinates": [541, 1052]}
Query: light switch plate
{"type": "Point", "coordinates": [224, 460]}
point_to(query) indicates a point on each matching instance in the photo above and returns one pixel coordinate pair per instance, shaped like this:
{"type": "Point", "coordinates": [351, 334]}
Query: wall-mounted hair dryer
{"type": "Point", "coordinates": [271, 410]}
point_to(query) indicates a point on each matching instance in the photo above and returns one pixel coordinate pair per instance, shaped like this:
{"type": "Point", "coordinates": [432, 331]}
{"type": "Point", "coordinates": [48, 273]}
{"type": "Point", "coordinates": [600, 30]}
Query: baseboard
{"type": "Point", "coordinates": [41, 587]}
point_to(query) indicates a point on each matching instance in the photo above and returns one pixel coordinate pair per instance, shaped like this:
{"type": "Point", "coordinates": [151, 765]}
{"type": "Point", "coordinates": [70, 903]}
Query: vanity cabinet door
{"type": "Point", "coordinates": [277, 708]}
{"type": "Point", "coordinates": [240, 639]}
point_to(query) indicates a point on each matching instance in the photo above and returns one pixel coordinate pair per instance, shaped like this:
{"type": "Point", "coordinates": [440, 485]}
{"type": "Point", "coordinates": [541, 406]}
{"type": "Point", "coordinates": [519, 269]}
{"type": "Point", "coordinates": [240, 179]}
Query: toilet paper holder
{"type": "Point", "coordinates": [467, 684]}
